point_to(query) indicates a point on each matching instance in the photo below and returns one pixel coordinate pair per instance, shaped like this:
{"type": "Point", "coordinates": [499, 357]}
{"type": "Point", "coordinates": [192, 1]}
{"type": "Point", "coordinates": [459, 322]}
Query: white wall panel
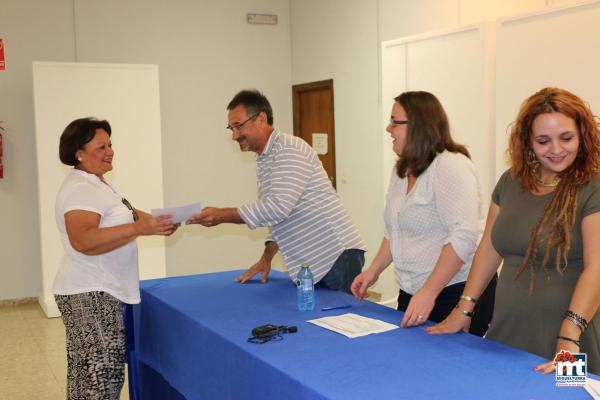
{"type": "Point", "coordinates": [128, 97]}
{"type": "Point", "coordinates": [455, 66]}
{"type": "Point", "coordinates": [207, 52]}
{"type": "Point", "coordinates": [558, 47]}
{"type": "Point", "coordinates": [393, 82]}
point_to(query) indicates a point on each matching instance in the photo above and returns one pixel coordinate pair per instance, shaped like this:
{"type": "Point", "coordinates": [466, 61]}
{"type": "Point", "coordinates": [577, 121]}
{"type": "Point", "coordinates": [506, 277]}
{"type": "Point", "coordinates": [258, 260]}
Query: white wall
{"type": "Point", "coordinates": [127, 96]}
{"type": "Point", "coordinates": [464, 85]}
{"type": "Point", "coordinates": [560, 49]}
{"type": "Point", "coordinates": [206, 53]}
{"type": "Point", "coordinates": [32, 30]}
{"type": "Point", "coordinates": [338, 40]}
{"type": "Point", "coordinates": [399, 18]}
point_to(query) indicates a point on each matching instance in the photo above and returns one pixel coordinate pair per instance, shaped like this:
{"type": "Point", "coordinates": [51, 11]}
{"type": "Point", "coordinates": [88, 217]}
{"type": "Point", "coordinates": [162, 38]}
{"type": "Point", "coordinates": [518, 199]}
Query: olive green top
{"type": "Point", "coordinates": [532, 322]}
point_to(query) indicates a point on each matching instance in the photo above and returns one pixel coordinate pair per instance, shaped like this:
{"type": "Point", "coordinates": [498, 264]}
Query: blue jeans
{"type": "Point", "coordinates": [347, 266]}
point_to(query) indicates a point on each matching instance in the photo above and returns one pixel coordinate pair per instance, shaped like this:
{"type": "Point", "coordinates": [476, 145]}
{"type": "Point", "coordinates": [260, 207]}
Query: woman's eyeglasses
{"type": "Point", "coordinates": [128, 205]}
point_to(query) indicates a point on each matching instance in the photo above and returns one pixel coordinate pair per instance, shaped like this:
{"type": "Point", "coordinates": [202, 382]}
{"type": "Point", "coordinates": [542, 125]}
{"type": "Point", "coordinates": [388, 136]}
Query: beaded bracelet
{"type": "Point", "coordinates": [468, 298]}
{"type": "Point", "coordinates": [577, 342]}
{"type": "Point", "coordinates": [465, 312]}
{"type": "Point", "coordinates": [577, 319]}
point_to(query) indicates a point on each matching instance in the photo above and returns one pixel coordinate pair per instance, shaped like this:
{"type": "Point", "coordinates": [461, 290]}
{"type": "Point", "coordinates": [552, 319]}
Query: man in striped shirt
{"type": "Point", "coordinates": [305, 216]}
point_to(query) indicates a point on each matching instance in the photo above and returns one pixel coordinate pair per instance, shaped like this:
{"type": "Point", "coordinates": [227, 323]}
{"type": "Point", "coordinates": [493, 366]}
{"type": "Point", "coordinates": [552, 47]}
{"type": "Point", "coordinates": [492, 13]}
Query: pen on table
{"type": "Point", "coordinates": [335, 308]}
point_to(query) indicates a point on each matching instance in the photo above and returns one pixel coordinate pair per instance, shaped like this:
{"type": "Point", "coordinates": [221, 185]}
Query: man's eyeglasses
{"type": "Point", "coordinates": [237, 127]}
{"type": "Point", "coordinates": [128, 205]}
{"type": "Point", "coordinates": [397, 122]}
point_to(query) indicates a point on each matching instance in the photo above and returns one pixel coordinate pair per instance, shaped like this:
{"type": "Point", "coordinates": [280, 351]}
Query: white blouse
{"type": "Point", "coordinates": [444, 206]}
{"type": "Point", "coordinates": [114, 272]}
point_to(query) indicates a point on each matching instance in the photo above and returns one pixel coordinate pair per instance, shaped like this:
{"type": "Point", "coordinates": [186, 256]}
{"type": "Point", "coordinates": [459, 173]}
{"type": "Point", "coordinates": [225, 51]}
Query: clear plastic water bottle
{"type": "Point", "coordinates": [306, 289]}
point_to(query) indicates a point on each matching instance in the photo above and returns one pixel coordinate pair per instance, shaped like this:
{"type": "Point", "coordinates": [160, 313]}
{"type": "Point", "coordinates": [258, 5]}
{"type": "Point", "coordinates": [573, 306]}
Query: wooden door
{"type": "Point", "coordinates": [314, 120]}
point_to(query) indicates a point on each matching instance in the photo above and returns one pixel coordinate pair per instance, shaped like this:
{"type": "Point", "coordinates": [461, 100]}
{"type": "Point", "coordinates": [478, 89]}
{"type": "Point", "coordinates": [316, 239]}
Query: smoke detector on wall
{"type": "Point", "coordinates": [262, 19]}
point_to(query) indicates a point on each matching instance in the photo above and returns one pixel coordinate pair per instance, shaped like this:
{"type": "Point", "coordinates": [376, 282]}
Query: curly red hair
{"type": "Point", "coordinates": [559, 215]}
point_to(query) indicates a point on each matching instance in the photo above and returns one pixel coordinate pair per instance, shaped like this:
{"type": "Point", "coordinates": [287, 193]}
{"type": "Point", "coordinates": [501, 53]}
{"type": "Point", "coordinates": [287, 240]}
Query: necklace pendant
{"type": "Point", "coordinates": [541, 183]}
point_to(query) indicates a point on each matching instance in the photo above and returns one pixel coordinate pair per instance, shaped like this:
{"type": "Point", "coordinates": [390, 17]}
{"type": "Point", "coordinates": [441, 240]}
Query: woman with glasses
{"type": "Point", "coordinates": [99, 270]}
{"type": "Point", "coordinates": [544, 225]}
{"type": "Point", "coordinates": [433, 217]}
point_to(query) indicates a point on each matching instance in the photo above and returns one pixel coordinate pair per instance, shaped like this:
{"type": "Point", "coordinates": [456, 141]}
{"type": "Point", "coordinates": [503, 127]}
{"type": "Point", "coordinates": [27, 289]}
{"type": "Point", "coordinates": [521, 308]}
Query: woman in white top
{"type": "Point", "coordinates": [99, 270]}
{"type": "Point", "coordinates": [433, 217]}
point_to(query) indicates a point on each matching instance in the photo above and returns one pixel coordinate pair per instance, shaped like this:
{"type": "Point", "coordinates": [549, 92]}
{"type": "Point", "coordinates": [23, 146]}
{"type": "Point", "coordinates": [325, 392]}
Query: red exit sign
{"type": "Point", "coordinates": [2, 63]}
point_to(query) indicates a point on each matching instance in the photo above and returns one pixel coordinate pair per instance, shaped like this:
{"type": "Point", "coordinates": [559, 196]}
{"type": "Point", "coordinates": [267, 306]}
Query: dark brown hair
{"type": "Point", "coordinates": [558, 217]}
{"type": "Point", "coordinates": [428, 133]}
{"type": "Point", "coordinates": [254, 102]}
{"type": "Point", "coordinates": [76, 135]}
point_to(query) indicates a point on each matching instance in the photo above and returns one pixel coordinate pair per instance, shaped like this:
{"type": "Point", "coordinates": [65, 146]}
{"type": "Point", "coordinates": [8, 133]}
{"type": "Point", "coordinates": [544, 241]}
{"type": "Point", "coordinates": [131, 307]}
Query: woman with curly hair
{"type": "Point", "coordinates": [544, 223]}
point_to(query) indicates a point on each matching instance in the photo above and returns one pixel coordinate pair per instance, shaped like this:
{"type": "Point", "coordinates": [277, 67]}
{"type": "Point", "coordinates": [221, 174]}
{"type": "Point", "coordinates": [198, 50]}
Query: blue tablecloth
{"type": "Point", "coordinates": [188, 339]}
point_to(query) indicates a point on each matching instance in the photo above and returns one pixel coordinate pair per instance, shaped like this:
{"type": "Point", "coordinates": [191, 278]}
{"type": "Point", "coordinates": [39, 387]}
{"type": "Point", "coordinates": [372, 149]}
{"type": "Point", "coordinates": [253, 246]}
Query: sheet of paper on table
{"type": "Point", "coordinates": [353, 325]}
{"type": "Point", "coordinates": [592, 386]}
{"type": "Point", "coordinates": [180, 213]}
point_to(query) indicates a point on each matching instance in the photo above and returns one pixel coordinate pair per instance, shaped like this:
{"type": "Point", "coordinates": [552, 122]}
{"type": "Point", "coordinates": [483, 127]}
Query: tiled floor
{"type": "Point", "coordinates": [33, 363]}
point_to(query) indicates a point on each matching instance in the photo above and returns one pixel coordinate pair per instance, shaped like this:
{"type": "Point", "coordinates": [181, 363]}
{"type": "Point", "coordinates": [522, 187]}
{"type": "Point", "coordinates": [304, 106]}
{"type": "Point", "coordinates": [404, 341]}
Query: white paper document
{"type": "Point", "coordinates": [181, 213]}
{"type": "Point", "coordinates": [593, 387]}
{"type": "Point", "coordinates": [319, 143]}
{"type": "Point", "coordinates": [353, 325]}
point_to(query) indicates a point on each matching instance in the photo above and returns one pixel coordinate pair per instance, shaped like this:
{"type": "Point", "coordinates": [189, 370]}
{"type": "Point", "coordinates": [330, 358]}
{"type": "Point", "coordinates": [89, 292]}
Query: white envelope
{"type": "Point", "coordinates": [180, 213]}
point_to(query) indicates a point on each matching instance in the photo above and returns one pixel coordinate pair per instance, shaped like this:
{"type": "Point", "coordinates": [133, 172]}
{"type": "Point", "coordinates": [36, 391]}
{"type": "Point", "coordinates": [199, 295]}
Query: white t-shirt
{"type": "Point", "coordinates": [444, 206]}
{"type": "Point", "coordinates": [114, 272]}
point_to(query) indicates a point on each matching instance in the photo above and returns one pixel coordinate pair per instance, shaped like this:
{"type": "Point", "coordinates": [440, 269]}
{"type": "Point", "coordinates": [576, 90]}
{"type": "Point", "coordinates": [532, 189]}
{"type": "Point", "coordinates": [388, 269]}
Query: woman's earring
{"type": "Point", "coordinates": [532, 161]}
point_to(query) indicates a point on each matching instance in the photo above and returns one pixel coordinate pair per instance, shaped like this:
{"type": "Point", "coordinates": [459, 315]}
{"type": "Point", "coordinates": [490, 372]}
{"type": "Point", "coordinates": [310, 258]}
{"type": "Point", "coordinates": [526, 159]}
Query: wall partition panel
{"type": "Point", "coordinates": [393, 82]}
{"type": "Point", "coordinates": [558, 47]}
{"type": "Point", "coordinates": [128, 97]}
{"type": "Point", "coordinates": [457, 67]}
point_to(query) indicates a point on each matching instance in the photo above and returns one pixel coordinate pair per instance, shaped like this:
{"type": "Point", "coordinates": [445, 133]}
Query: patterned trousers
{"type": "Point", "coordinates": [95, 345]}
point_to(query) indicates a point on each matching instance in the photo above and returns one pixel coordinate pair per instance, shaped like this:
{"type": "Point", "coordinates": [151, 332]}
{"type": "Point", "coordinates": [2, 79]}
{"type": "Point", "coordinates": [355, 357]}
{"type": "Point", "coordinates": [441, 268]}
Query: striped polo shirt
{"type": "Point", "coordinates": [297, 202]}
